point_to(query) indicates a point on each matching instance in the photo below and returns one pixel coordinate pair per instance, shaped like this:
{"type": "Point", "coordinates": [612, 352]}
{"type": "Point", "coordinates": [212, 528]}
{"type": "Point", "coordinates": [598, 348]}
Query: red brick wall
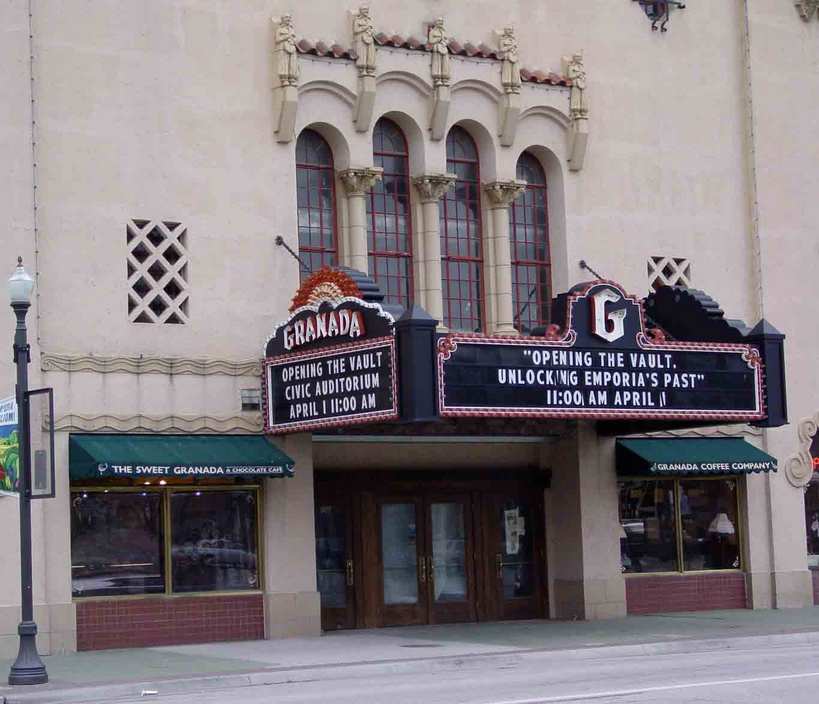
{"type": "Point", "coordinates": [815, 574]}
{"type": "Point", "coordinates": [692, 592]}
{"type": "Point", "coordinates": [134, 623]}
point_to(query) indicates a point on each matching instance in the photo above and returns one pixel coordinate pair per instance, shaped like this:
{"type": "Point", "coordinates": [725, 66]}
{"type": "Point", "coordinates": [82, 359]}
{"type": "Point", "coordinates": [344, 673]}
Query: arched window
{"type": "Point", "coordinates": [389, 227]}
{"type": "Point", "coordinates": [531, 262]}
{"type": "Point", "coordinates": [316, 198]}
{"type": "Point", "coordinates": [461, 247]}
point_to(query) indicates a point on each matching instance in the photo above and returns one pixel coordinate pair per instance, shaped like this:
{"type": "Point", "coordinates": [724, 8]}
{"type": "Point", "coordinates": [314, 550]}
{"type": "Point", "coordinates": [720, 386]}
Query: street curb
{"type": "Point", "coordinates": [48, 694]}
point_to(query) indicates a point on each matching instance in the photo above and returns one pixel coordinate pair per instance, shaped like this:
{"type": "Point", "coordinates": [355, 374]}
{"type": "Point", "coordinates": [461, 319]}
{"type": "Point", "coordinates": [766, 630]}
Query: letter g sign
{"type": "Point", "coordinates": [607, 327]}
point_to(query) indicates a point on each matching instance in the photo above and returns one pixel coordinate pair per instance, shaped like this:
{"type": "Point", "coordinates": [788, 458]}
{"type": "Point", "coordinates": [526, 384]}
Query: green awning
{"type": "Point", "coordinates": [123, 456]}
{"type": "Point", "coordinates": [689, 457]}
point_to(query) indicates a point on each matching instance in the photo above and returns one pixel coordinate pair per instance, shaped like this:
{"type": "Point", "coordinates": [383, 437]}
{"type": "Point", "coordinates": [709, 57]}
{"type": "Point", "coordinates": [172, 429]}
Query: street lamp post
{"type": "Point", "coordinates": [28, 668]}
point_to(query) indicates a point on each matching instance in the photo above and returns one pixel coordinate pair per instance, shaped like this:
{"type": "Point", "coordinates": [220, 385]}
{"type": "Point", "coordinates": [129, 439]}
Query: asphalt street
{"type": "Point", "coordinates": [756, 675]}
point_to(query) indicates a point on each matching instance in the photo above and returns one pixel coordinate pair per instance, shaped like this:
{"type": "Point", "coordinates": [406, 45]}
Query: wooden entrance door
{"type": "Point", "coordinates": [401, 563]}
{"type": "Point", "coordinates": [513, 555]}
{"type": "Point", "coordinates": [392, 549]}
{"type": "Point", "coordinates": [426, 559]}
{"type": "Point", "coordinates": [450, 558]}
{"type": "Point", "coordinates": [336, 572]}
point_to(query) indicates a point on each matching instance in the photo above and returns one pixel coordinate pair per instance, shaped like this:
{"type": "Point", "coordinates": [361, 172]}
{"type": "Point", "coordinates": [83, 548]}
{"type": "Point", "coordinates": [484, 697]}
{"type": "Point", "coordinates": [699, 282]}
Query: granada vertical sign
{"type": "Point", "coordinates": [332, 362]}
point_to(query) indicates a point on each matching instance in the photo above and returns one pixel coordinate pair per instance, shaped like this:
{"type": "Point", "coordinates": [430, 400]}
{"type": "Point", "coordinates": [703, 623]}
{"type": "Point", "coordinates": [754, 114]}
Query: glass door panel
{"type": "Point", "coordinates": [515, 550]}
{"type": "Point", "coordinates": [331, 556]}
{"type": "Point", "coordinates": [448, 552]}
{"type": "Point", "coordinates": [403, 568]}
{"type": "Point", "coordinates": [513, 540]}
{"type": "Point", "coordinates": [451, 569]}
{"type": "Point", "coordinates": [399, 554]}
{"type": "Point", "coordinates": [335, 576]}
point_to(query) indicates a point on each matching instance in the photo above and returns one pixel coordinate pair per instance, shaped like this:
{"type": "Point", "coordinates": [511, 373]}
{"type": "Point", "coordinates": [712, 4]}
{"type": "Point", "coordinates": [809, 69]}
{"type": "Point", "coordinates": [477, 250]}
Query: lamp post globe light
{"type": "Point", "coordinates": [28, 668]}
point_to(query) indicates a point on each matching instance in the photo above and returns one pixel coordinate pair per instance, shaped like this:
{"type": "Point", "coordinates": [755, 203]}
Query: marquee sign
{"type": "Point", "coordinates": [603, 364]}
{"type": "Point", "coordinates": [332, 362]}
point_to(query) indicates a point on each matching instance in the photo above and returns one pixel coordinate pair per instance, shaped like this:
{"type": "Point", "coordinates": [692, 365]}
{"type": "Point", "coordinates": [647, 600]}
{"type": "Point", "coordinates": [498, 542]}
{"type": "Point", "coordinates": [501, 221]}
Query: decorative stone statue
{"type": "Point", "coordinates": [578, 105]}
{"type": "Point", "coordinates": [807, 8]}
{"type": "Point", "coordinates": [364, 41]}
{"type": "Point", "coordinates": [288, 60]}
{"type": "Point", "coordinates": [510, 68]}
{"type": "Point", "coordinates": [439, 45]}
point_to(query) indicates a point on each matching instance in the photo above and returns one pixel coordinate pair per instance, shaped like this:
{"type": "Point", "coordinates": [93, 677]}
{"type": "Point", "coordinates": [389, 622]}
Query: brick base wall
{"type": "Point", "coordinates": [815, 575]}
{"type": "Point", "coordinates": [135, 623]}
{"type": "Point", "coordinates": [695, 592]}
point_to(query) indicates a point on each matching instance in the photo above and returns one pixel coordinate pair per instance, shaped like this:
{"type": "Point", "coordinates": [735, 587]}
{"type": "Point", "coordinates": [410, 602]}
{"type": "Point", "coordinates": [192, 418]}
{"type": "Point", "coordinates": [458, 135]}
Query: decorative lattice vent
{"type": "Point", "coordinates": [668, 271]}
{"type": "Point", "coordinates": [157, 272]}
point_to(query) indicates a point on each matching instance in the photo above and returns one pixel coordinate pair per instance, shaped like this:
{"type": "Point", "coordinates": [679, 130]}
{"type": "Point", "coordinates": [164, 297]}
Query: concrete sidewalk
{"type": "Point", "coordinates": [116, 674]}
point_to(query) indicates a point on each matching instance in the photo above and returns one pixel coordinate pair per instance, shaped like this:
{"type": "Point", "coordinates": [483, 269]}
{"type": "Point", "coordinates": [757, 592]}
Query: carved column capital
{"type": "Point", "coordinates": [359, 181]}
{"type": "Point", "coordinates": [431, 187]}
{"type": "Point", "coordinates": [502, 194]}
{"type": "Point", "coordinates": [807, 8]}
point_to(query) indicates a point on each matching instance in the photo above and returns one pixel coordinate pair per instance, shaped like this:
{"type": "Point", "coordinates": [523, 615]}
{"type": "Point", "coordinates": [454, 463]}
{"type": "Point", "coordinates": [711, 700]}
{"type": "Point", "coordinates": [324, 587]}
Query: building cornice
{"type": "Point", "coordinates": [104, 423]}
{"type": "Point", "coordinates": [52, 362]}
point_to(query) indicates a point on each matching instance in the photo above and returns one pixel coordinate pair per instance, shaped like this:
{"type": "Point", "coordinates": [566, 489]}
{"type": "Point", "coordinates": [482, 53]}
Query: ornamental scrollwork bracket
{"type": "Point", "coordinates": [659, 12]}
{"type": "Point", "coordinates": [799, 466]}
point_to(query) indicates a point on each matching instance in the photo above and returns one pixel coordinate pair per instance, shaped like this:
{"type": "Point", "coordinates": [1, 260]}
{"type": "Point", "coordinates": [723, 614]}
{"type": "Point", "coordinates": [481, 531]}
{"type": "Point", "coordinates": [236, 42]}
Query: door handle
{"type": "Point", "coordinates": [423, 570]}
{"type": "Point", "coordinates": [431, 569]}
{"type": "Point", "coordinates": [499, 565]}
{"type": "Point", "coordinates": [350, 573]}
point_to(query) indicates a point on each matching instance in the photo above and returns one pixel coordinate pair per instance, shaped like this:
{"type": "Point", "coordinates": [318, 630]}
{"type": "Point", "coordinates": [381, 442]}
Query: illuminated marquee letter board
{"type": "Point", "coordinates": [604, 363]}
{"type": "Point", "coordinates": [332, 363]}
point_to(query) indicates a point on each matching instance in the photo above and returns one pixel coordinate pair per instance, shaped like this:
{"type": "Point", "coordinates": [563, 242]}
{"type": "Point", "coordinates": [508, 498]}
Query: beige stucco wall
{"type": "Point", "coordinates": [784, 85]}
{"type": "Point", "coordinates": [699, 143]}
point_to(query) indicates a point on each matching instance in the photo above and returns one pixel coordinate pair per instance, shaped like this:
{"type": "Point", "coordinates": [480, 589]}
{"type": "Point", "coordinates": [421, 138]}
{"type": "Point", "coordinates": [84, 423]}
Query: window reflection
{"type": "Point", "coordinates": [213, 540]}
{"type": "Point", "coordinates": [399, 553]}
{"type": "Point", "coordinates": [706, 516]}
{"type": "Point", "coordinates": [648, 540]}
{"type": "Point", "coordinates": [116, 544]}
{"type": "Point", "coordinates": [709, 524]}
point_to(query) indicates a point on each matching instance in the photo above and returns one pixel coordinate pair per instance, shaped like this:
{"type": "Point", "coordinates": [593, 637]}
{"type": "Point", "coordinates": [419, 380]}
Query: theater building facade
{"type": "Point", "coordinates": [397, 314]}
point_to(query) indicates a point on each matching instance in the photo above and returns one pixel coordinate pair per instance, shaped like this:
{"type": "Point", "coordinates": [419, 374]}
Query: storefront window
{"type": "Point", "coordinates": [812, 521]}
{"type": "Point", "coordinates": [702, 523]}
{"type": "Point", "coordinates": [119, 544]}
{"type": "Point", "coordinates": [116, 543]}
{"type": "Point", "coordinates": [709, 524]}
{"type": "Point", "coordinates": [214, 541]}
{"type": "Point", "coordinates": [648, 540]}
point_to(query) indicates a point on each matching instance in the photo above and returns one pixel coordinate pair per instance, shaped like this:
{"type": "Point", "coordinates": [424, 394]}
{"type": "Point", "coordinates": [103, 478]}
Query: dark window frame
{"type": "Point", "coordinates": [524, 213]}
{"type": "Point", "coordinates": [374, 214]}
{"type": "Point", "coordinates": [166, 492]}
{"type": "Point", "coordinates": [316, 256]}
{"type": "Point", "coordinates": [448, 212]}
{"type": "Point", "coordinates": [739, 526]}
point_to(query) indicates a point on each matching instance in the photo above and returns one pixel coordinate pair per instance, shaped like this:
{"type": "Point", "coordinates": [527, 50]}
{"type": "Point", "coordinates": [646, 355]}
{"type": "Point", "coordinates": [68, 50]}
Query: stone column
{"type": "Point", "coordinates": [292, 602]}
{"type": "Point", "coordinates": [357, 184]}
{"type": "Point", "coordinates": [501, 194]}
{"type": "Point", "coordinates": [431, 188]}
{"type": "Point", "coordinates": [584, 567]}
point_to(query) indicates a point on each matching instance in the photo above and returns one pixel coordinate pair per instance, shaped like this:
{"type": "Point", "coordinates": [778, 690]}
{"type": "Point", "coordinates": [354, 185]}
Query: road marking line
{"type": "Point", "coordinates": [646, 690]}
